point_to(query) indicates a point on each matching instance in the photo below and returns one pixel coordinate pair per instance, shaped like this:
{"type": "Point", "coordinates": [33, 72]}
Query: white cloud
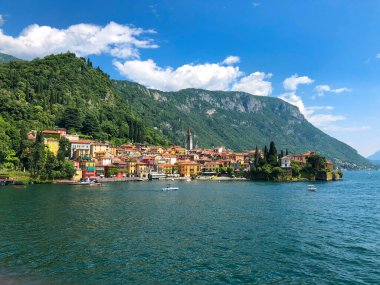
{"type": "Point", "coordinates": [2, 20]}
{"type": "Point", "coordinates": [232, 59]}
{"type": "Point", "coordinates": [310, 113]}
{"type": "Point", "coordinates": [254, 84]}
{"type": "Point", "coordinates": [322, 120]}
{"type": "Point", "coordinates": [120, 41]}
{"type": "Point", "coordinates": [335, 128]}
{"type": "Point", "coordinates": [378, 55]}
{"type": "Point", "coordinates": [291, 83]}
{"type": "Point", "coordinates": [210, 76]}
{"type": "Point", "coordinates": [321, 89]}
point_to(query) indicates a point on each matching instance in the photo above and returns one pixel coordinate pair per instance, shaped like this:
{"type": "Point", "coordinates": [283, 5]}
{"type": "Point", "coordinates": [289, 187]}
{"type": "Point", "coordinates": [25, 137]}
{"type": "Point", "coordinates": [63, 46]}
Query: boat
{"type": "Point", "coordinates": [188, 180]}
{"type": "Point", "coordinates": [170, 188]}
{"type": "Point", "coordinates": [311, 187]}
{"type": "Point", "coordinates": [88, 182]}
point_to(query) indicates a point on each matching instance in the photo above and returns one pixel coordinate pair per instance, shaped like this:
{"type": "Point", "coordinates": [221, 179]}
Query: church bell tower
{"type": "Point", "coordinates": [189, 140]}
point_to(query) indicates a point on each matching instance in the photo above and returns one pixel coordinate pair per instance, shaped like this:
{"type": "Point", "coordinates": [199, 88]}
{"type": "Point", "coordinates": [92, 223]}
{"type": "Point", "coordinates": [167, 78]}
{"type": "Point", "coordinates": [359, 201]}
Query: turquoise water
{"type": "Point", "coordinates": [207, 232]}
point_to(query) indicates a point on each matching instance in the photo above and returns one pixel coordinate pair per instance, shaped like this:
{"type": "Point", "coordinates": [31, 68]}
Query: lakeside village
{"type": "Point", "coordinates": [64, 157]}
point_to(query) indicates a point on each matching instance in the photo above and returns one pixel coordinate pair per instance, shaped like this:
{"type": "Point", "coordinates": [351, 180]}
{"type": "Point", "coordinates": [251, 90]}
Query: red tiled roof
{"type": "Point", "coordinates": [81, 141]}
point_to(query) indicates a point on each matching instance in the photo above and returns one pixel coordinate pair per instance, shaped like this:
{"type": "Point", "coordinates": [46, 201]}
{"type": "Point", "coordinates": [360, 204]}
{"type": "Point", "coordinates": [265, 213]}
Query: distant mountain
{"type": "Point", "coordinates": [237, 120]}
{"type": "Point", "coordinates": [5, 58]}
{"type": "Point", "coordinates": [375, 156]}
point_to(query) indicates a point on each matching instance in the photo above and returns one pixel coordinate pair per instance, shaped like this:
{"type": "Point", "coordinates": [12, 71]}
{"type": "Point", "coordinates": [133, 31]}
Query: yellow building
{"type": "Point", "coordinates": [131, 166]}
{"type": "Point", "coordinates": [212, 166]}
{"type": "Point", "coordinates": [99, 147]}
{"type": "Point", "coordinates": [188, 168]}
{"type": "Point", "coordinates": [141, 168]}
{"type": "Point", "coordinates": [112, 150]}
{"type": "Point", "coordinates": [78, 174]}
{"type": "Point", "coordinates": [52, 144]}
{"type": "Point", "coordinates": [168, 169]}
{"type": "Point", "coordinates": [81, 153]}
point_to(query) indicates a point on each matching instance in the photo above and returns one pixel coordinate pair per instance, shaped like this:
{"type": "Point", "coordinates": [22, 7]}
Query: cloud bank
{"type": "Point", "coordinates": [121, 41]}
{"type": "Point", "coordinates": [212, 76]}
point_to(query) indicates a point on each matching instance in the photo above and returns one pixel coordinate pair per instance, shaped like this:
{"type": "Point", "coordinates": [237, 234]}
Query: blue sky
{"type": "Point", "coordinates": [323, 56]}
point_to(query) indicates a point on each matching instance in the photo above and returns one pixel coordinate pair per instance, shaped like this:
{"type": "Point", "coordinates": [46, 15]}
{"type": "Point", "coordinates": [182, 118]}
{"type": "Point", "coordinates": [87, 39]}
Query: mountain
{"type": "Point", "coordinates": [237, 120]}
{"type": "Point", "coordinates": [375, 156]}
{"type": "Point", "coordinates": [66, 91]}
{"type": "Point", "coordinates": [5, 58]}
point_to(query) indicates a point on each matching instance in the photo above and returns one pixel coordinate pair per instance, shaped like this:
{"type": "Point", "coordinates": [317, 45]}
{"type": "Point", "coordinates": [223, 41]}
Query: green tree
{"type": "Point", "coordinates": [64, 150]}
{"type": "Point", "coordinates": [277, 172]}
{"type": "Point", "coordinates": [266, 154]}
{"type": "Point", "coordinates": [296, 168]}
{"type": "Point", "coordinates": [91, 124]}
{"type": "Point", "coordinates": [272, 154]}
{"type": "Point", "coordinates": [72, 118]}
{"type": "Point", "coordinates": [257, 157]}
{"type": "Point", "coordinates": [317, 162]}
{"type": "Point", "coordinates": [38, 158]}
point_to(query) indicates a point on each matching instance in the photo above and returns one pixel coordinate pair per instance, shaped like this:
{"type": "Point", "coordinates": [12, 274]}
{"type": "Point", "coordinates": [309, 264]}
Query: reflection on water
{"type": "Point", "coordinates": [228, 232]}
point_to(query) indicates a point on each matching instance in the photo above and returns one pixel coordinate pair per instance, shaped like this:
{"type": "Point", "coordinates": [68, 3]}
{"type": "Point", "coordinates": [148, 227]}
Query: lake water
{"type": "Point", "coordinates": [207, 232]}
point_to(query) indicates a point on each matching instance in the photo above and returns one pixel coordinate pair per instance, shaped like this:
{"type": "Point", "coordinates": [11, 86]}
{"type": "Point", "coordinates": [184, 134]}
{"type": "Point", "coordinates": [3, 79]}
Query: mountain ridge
{"type": "Point", "coordinates": [5, 58]}
{"type": "Point", "coordinates": [237, 120]}
{"type": "Point", "coordinates": [44, 93]}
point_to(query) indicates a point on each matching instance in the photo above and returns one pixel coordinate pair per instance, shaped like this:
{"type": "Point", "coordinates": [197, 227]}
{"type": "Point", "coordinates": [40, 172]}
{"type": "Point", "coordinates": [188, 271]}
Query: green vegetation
{"type": "Point", "coordinates": [268, 167]}
{"type": "Point", "coordinates": [236, 120]}
{"type": "Point", "coordinates": [62, 91]}
{"type": "Point", "coordinates": [67, 91]}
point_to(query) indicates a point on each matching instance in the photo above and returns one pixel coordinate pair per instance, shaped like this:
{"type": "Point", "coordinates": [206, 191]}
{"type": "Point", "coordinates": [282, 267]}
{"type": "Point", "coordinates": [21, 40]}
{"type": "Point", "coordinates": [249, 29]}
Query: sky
{"type": "Point", "coordinates": [322, 56]}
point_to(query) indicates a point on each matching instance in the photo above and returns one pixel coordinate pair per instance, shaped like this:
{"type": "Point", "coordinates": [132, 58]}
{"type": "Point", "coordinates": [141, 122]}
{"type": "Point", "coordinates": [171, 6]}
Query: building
{"type": "Point", "coordinates": [131, 166]}
{"type": "Point", "coordinates": [88, 168]}
{"type": "Point", "coordinates": [98, 147]}
{"type": "Point", "coordinates": [52, 144]}
{"type": "Point", "coordinates": [78, 171]}
{"type": "Point", "coordinates": [141, 169]}
{"type": "Point", "coordinates": [189, 168]}
{"type": "Point", "coordinates": [286, 161]}
{"type": "Point", "coordinates": [80, 148]}
{"type": "Point", "coordinates": [189, 140]}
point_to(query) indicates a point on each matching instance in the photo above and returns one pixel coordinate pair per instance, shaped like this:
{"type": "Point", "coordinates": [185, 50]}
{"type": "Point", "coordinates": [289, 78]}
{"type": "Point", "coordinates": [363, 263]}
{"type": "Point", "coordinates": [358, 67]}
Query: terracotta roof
{"type": "Point", "coordinates": [81, 141]}
{"type": "Point", "coordinates": [50, 132]}
{"type": "Point", "coordinates": [187, 162]}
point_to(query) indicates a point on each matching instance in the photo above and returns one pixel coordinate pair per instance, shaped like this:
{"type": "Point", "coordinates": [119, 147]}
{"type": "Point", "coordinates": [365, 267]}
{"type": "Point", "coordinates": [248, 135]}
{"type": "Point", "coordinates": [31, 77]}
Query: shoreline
{"type": "Point", "coordinates": [167, 179]}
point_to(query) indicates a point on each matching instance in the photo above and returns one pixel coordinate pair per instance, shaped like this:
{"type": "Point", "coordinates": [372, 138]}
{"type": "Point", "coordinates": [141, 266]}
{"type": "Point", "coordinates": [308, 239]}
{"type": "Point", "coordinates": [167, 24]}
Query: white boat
{"type": "Point", "coordinates": [311, 187]}
{"type": "Point", "coordinates": [188, 180]}
{"type": "Point", "coordinates": [170, 188]}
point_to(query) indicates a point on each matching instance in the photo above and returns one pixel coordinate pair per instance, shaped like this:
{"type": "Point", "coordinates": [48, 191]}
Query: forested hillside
{"type": "Point", "coordinates": [64, 91]}
{"type": "Point", "coordinates": [67, 91]}
{"type": "Point", "coordinates": [237, 120]}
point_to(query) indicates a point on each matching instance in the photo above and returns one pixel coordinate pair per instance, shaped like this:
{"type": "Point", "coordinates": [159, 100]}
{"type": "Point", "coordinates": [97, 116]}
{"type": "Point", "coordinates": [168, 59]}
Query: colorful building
{"type": "Point", "coordinates": [80, 148]}
{"type": "Point", "coordinates": [188, 168]}
{"type": "Point", "coordinates": [52, 144]}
